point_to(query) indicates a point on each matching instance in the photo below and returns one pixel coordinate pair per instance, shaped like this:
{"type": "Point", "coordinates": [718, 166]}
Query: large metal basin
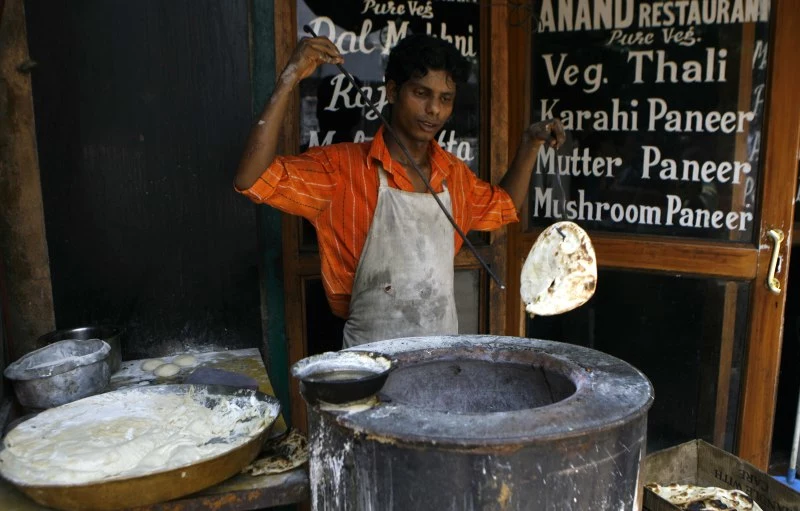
{"type": "Point", "coordinates": [160, 485]}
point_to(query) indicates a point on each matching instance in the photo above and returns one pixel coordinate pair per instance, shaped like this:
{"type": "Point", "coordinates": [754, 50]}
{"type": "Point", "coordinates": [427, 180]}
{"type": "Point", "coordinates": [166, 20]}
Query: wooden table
{"type": "Point", "coordinates": [239, 493]}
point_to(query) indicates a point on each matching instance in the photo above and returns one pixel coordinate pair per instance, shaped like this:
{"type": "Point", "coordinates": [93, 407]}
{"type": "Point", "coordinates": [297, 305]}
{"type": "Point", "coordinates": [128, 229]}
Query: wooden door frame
{"type": "Point", "coordinates": [757, 411]}
{"type": "Point", "coordinates": [298, 266]}
{"type": "Point", "coordinates": [734, 261]}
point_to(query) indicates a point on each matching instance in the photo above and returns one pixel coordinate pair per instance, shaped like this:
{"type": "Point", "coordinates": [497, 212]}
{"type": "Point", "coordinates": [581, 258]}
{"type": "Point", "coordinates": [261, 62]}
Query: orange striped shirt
{"type": "Point", "coordinates": [335, 187]}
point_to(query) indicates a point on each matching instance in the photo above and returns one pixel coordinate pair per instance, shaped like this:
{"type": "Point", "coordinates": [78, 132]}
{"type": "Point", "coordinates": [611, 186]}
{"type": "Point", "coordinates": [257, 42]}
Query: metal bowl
{"type": "Point", "coordinates": [111, 334]}
{"type": "Point", "coordinates": [342, 376]}
{"type": "Point", "coordinates": [60, 373]}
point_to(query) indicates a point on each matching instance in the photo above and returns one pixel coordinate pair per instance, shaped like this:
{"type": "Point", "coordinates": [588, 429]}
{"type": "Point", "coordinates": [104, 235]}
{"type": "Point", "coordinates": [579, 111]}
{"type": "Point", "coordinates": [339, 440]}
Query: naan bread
{"type": "Point", "coordinates": [289, 452]}
{"type": "Point", "coordinates": [560, 272]}
{"type": "Point", "coordinates": [697, 498]}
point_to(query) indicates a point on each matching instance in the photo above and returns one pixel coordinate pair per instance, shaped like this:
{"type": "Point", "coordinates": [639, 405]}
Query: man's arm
{"type": "Point", "coordinates": [518, 178]}
{"type": "Point", "coordinates": [263, 139]}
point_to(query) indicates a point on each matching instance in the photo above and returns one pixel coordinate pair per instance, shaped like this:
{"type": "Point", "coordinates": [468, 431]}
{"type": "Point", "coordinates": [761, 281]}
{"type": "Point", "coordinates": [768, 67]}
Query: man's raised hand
{"type": "Point", "coordinates": [310, 53]}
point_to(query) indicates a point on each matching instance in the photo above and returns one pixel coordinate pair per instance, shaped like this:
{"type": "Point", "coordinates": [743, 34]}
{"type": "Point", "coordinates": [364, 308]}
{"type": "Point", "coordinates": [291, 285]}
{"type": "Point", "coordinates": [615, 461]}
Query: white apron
{"type": "Point", "coordinates": [403, 285]}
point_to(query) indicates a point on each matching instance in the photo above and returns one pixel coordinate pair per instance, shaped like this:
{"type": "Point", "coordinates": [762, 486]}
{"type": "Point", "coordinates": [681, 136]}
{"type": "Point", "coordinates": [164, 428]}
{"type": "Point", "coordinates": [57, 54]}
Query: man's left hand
{"type": "Point", "coordinates": [550, 132]}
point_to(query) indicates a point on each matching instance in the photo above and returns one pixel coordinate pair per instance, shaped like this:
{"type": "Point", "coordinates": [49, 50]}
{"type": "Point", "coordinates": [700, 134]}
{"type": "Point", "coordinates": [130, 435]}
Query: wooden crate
{"type": "Point", "coordinates": [701, 464]}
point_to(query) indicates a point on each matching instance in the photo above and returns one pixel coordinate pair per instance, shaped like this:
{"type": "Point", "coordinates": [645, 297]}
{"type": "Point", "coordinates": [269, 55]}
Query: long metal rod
{"type": "Point", "coordinates": [792, 475]}
{"type": "Point", "coordinates": [406, 152]}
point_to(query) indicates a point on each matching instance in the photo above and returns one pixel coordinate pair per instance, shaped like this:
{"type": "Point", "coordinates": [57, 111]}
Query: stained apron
{"type": "Point", "coordinates": [403, 285]}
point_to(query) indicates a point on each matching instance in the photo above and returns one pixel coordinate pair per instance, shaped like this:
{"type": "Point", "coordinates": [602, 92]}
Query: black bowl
{"type": "Point", "coordinates": [342, 376]}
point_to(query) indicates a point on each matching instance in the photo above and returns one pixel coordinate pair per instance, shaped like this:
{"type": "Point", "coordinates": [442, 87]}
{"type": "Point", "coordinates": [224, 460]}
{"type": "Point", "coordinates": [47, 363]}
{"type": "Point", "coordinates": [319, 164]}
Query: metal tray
{"type": "Point", "coordinates": [163, 485]}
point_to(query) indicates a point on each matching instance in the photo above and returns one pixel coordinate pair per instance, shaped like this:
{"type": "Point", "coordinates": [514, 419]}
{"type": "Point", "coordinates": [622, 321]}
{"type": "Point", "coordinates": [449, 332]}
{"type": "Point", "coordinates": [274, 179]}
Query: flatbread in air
{"type": "Point", "coordinates": [560, 272]}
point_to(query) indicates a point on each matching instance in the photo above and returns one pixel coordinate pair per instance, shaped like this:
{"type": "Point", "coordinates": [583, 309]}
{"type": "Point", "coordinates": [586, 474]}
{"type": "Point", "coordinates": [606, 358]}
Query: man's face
{"type": "Point", "coordinates": [422, 105]}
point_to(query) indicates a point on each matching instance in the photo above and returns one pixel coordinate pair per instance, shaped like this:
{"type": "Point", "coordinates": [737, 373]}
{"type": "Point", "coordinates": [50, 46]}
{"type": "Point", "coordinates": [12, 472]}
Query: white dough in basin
{"type": "Point", "coordinates": [128, 433]}
{"type": "Point", "coordinates": [167, 370]}
{"type": "Point", "coordinates": [185, 360]}
{"type": "Point", "coordinates": [149, 365]}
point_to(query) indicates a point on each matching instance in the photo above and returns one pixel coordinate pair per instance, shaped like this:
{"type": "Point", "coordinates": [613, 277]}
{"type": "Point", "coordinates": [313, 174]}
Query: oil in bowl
{"type": "Point", "coordinates": [341, 377]}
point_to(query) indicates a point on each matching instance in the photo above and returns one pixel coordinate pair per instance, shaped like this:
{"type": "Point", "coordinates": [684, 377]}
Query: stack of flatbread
{"type": "Point", "coordinates": [281, 455]}
{"type": "Point", "coordinates": [560, 272]}
{"type": "Point", "coordinates": [697, 498]}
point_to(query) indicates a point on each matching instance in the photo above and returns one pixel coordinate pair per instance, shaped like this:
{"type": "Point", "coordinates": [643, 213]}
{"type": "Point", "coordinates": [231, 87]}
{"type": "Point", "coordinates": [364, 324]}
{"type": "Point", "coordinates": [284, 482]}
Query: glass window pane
{"type": "Point", "coordinates": [789, 380]}
{"type": "Point", "coordinates": [323, 329]}
{"type": "Point", "coordinates": [308, 237]}
{"type": "Point", "coordinates": [467, 286]}
{"type": "Point", "coordinates": [682, 333]}
{"type": "Point", "coordinates": [663, 110]}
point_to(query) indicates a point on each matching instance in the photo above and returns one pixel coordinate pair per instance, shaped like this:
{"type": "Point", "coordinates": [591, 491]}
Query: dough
{"type": "Point", "coordinates": [560, 272]}
{"type": "Point", "coordinates": [185, 360]}
{"type": "Point", "coordinates": [128, 433]}
{"type": "Point", "coordinates": [149, 365]}
{"type": "Point", "coordinates": [167, 370]}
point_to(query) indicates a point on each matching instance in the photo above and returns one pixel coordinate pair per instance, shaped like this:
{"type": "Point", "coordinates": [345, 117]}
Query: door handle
{"type": "Point", "coordinates": [777, 237]}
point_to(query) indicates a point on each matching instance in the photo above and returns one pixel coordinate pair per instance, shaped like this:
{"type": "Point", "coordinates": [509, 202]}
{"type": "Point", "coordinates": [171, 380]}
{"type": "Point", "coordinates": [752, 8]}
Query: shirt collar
{"type": "Point", "coordinates": [442, 162]}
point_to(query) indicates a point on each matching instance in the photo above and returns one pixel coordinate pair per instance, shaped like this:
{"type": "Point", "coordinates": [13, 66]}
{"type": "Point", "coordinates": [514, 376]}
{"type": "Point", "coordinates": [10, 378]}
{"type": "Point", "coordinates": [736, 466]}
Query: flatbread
{"type": "Point", "coordinates": [560, 272]}
{"type": "Point", "coordinates": [285, 454]}
{"type": "Point", "coordinates": [699, 498]}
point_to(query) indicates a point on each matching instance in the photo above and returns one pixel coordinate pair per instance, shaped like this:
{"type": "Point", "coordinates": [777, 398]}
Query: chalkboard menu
{"type": "Point", "coordinates": [365, 31]}
{"type": "Point", "coordinates": [663, 102]}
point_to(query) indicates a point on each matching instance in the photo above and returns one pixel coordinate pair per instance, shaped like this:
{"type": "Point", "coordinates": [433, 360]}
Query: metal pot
{"type": "Point", "coordinates": [111, 334]}
{"type": "Point", "coordinates": [341, 377]}
{"type": "Point", "coordinates": [60, 373]}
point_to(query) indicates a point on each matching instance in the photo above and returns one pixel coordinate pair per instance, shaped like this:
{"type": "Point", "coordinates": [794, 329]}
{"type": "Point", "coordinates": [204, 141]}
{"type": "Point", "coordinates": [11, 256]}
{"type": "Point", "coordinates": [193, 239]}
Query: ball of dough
{"type": "Point", "coordinates": [185, 360]}
{"type": "Point", "coordinates": [149, 365]}
{"type": "Point", "coordinates": [166, 370]}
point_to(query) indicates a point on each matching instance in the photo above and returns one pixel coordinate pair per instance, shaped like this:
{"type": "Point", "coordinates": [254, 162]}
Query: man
{"type": "Point", "coordinates": [386, 248]}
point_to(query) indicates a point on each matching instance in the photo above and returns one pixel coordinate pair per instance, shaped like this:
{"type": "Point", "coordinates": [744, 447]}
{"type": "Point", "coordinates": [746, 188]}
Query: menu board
{"type": "Point", "coordinates": [663, 102]}
{"type": "Point", "coordinates": [365, 31]}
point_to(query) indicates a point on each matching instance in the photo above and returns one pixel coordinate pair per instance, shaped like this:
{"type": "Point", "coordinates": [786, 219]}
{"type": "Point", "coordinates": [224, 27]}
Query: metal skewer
{"type": "Point", "coordinates": [403, 148]}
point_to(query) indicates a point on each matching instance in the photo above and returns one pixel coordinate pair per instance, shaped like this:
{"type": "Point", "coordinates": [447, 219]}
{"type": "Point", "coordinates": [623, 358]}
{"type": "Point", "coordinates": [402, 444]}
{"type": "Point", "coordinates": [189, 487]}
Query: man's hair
{"type": "Point", "coordinates": [414, 55]}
